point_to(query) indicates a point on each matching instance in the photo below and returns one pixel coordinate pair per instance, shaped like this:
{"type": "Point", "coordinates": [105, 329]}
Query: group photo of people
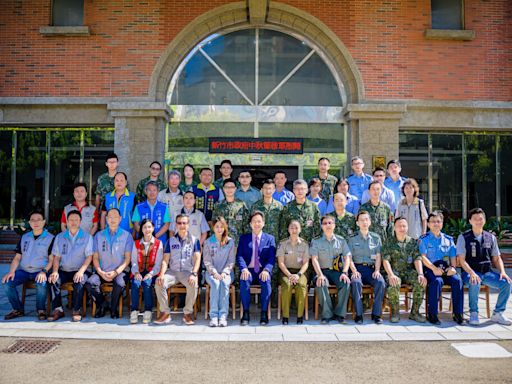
{"type": "Point", "coordinates": [354, 244]}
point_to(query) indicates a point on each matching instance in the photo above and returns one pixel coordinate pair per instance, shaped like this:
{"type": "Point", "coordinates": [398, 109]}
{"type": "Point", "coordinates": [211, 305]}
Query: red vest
{"type": "Point", "coordinates": [152, 254]}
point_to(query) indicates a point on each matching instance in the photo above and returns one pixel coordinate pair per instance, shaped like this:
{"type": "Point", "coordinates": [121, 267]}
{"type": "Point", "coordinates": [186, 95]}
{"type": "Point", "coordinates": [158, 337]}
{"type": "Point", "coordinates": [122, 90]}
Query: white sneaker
{"type": "Point", "coordinates": [473, 318]}
{"type": "Point", "coordinates": [499, 318]}
{"type": "Point", "coordinates": [223, 322]}
{"type": "Point", "coordinates": [146, 318]}
{"type": "Point", "coordinates": [134, 317]}
{"type": "Point", "coordinates": [214, 322]}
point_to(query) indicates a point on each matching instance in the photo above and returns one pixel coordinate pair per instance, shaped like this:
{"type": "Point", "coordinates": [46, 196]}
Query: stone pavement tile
{"type": "Point", "coordinates": [7, 332]}
{"type": "Point", "coordinates": [489, 327]}
{"type": "Point", "coordinates": [310, 337]}
{"type": "Point", "coordinates": [398, 336]}
{"type": "Point", "coordinates": [505, 335]}
{"type": "Point", "coordinates": [468, 336]}
{"type": "Point", "coordinates": [68, 334]}
{"type": "Point", "coordinates": [363, 337]}
{"type": "Point", "coordinates": [282, 329]}
{"type": "Point", "coordinates": [197, 337]}
{"type": "Point", "coordinates": [257, 337]}
{"type": "Point", "coordinates": [481, 350]}
{"type": "Point", "coordinates": [235, 328]}
{"type": "Point", "coordinates": [337, 328]}
{"type": "Point", "coordinates": [382, 328]}
{"type": "Point", "coordinates": [429, 328]}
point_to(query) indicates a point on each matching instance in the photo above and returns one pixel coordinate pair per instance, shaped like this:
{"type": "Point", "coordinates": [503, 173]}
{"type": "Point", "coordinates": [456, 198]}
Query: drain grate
{"type": "Point", "coordinates": [32, 346]}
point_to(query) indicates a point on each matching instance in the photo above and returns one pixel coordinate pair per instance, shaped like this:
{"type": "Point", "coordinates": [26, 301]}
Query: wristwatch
{"type": "Point", "coordinates": [194, 274]}
{"type": "Point", "coordinates": [44, 270]}
{"type": "Point", "coordinates": [299, 274]}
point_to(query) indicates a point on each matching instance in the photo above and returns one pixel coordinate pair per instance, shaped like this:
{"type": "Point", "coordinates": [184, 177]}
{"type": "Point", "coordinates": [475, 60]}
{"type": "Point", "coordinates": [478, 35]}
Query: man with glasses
{"type": "Point", "coordinates": [154, 172]}
{"type": "Point", "coordinates": [358, 180]}
{"type": "Point", "coordinates": [198, 226]}
{"type": "Point", "coordinates": [181, 262]}
{"type": "Point", "coordinates": [387, 195]}
{"type": "Point", "coordinates": [303, 210]}
{"type": "Point", "coordinates": [246, 192]}
{"type": "Point", "coordinates": [324, 252]}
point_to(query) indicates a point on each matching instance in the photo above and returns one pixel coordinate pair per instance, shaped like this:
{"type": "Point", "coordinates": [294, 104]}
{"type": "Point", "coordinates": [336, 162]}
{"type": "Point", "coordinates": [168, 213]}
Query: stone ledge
{"type": "Point", "coordinates": [450, 34]}
{"type": "Point", "coordinates": [64, 31]}
{"type": "Point", "coordinates": [140, 109]}
{"type": "Point", "coordinates": [375, 111]}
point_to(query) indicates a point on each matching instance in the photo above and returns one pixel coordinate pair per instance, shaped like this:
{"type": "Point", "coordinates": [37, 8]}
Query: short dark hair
{"type": "Point", "coordinates": [181, 216]}
{"type": "Point", "coordinates": [414, 184]}
{"type": "Point", "coordinates": [74, 212]}
{"type": "Point", "coordinates": [121, 173]}
{"type": "Point", "coordinates": [80, 184]}
{"type": "Point", "coordinates": [435, 214]}
{"type": "Point", "coordinates": [192, 193]}
{"type": "Point", "coordinates": [377, 169]}
{"type": "Point", "coordinates": [111, 155]}
{"type": "Point", "coordinates": [394, 161]}
{"type": "Point", "coordinates": [205, 169]}
{"type": "Point", "coordinates": [152, 182]}
{"type": "Point", "coordinates": [328, 216]}
{"type": "Point", "coordinates": [314, 181]}
{"type": "Point", "coordinates": [229, 180]}
{"type": "Point", "coordinates": [374, 182]}
{"type": "Point", "coordinates": [245, 171]}
{"type": "Point", "coordinates": [226, 161]}
{"type": "Point", "coordinates": [475, 211]}
{"type": "Point", "coordinates": [399, 218]}
{"type": "Point", "coordinates": [257, 213]}
{"type": "Point", "coordinates": [340, 181]}
{"type": "Point", "coordinates": [278, 172]}
{"type": "Point", "coordinates": [155, 162]}
{"type": "Point", "coordinates": [324, 158]}
{"type": "Point", "coordinates": [36, 211]}
{"type": "Point", "coordinates": [362, 212]}
{"type": "Point", "coordinates": [269, 181]}
{"type": "Point", "coordinates": [114, 209]}
{"type": "Point", "coordinates": [188, 165]}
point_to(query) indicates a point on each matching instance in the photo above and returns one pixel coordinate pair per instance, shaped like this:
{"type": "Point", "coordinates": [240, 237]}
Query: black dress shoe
{"type": "Point", "coordinates": [285, 321]}
{"type": "Point", "coordinates": [358, 320]}
{"type": "Point", "coordinates": [433, 319]}
{"type": "Point", "coordinates": [324, 321]}
{"type": "Point", "coordinates": [340, 319]}
{"type": "Point", "coordinates": [245, 319]}
{"type": "Point", "coordinates": [264, 318]}
{"type": "Point", "coordinates": [377, 319]}
{"type": "Point", "coordinates": [100, 312]}
{"type": "Point", "coordinates": [300, 320]}
{"type": "Point", "coordinates": [114, 315]}
{"type": "Point", "coordinates": [458, 318]}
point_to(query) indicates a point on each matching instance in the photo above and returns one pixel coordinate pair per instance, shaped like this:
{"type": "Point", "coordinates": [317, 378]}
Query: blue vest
{"type": "Point", "coordinates": [478, 255]}
{"type": "Point", "coordinates": [156, 217]}
{"type": "Point", "coordinates": [72, 253]}
{"type": "Point", "coordinates": [125, 205]}
{"type": "Point", "coordinates": [205, 200]}
{"type": "Point", "coordinates": [34, 253]}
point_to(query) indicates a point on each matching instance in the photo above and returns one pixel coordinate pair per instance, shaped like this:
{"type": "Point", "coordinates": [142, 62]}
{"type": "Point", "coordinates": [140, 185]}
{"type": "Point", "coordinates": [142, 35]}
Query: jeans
{"type": "Point", "coordinates": [491, 279]}
{"type": "Point", "coordinates": [21, 277]}
{"type": "Point", "coordinates": [379, 287]}
{"type": "Point", "coordinates": [78, 290]}
{"type": "Point", "coordinates": [219, 295]}
{"type": "Point", "coordinates": [147, 292]}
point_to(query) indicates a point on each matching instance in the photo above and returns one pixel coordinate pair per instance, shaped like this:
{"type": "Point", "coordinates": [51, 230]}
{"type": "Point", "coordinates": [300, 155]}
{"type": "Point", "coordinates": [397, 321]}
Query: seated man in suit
{"type": "Point", "coordinates": [256, 256]}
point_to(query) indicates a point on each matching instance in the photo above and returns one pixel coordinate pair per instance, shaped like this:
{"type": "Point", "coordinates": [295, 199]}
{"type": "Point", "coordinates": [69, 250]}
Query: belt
{"type": "Point", "coordinates": [366, 265]}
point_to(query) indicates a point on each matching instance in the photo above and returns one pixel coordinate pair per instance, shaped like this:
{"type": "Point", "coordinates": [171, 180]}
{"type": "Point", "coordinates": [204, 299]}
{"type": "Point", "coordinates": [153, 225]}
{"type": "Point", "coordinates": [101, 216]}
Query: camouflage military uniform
{"type": "Point", "coordinates": [141, 193]}
{"type": "Point", "coordinates": [236, 215]}
{"type": "Point", "coordinates": [186, 187]}
{"type": "Point", "coordinates": [345, 226]}
{"type": "Point", "coordinates": [401, 256]}
{"type": "Point", "coordinates": [272, 214]}
{"type": "Point", "coordinates": [308, 216]}
{"type": "Point", "coordinates": [382, 219]}
{"type": "Point", "coordinates": [219, 183]}
{"type": "Point", "coordinates": [327, 186]}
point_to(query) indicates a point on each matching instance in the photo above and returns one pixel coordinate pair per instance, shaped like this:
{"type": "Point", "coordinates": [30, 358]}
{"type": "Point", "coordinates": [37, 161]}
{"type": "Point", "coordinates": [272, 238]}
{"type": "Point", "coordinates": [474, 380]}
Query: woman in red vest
{"type": "Point", "coordinates": [147, 257]}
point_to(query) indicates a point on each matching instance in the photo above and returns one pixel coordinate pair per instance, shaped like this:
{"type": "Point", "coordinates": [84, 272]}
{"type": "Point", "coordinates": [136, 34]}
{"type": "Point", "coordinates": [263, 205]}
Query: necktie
{"type": "Point", "coordinates": [256, 255]}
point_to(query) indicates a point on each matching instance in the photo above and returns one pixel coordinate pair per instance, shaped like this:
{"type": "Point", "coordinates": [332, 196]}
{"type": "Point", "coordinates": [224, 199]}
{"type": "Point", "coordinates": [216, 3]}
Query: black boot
{"type": "Point", "coordinates": [264, 318]}
{"type": "Point", "coordinates": [433, 319]}
{"type": "Point", "coordinates": [458, 318]}
{"type": "Point", "coordinates": [300, 320]}
{"type": "Point", "coordinates": [245, 318]}
{"type": "Point", "coordinates": [285, 321]}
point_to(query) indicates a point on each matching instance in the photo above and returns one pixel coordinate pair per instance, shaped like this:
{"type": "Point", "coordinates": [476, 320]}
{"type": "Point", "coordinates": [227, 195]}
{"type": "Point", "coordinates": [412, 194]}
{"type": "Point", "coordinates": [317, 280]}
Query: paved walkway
{"type": "Point", "coordinates": [312, 330]}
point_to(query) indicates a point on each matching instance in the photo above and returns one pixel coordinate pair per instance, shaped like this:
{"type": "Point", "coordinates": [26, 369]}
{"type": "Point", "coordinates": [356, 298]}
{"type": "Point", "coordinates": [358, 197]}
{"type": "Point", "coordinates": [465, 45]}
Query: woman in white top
{"type": "Point", "coordinates": [412, 208]}
{"type": "Point", "coordinates": [219, 259]}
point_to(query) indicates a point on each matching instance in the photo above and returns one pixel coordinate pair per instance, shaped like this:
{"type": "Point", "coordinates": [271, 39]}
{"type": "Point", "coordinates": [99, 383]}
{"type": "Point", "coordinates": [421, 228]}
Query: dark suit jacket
{"type": "Point", "coordinates": [267, 251]}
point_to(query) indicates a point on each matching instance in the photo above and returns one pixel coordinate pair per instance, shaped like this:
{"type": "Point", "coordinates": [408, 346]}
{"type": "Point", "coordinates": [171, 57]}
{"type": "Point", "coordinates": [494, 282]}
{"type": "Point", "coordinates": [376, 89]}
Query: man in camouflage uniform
{"type": "Point", "coordinates": [105, 183]}
{"type": "Point", "coordinates": [304, 211]}
{"type": "Point", "coordinates": [345, 221]}
{"type": "Point", "coordinates": [328, 181]}
{"type": "Point", "coordinates": [403, 265]}
{"type": "Point", "coordinates": [233, 210]}
{"type": "Point", "coordinates": [380, 213]}
{"type": "Point", "coordinates": [271, 209]}
{"type": "Point", "coordinates": [154, 172]}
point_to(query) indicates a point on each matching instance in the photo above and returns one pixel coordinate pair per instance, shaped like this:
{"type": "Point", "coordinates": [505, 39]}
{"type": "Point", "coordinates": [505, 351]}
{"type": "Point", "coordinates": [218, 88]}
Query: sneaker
{"type": "Point", "coordinates": [223, 321]}
{"type": "Point", "coordinates": [134, 317]}
{"type": "Point", "coordinates": [214, 322]}
{"type": "Point", "coordinates": [377, 319]}
{"type": "Point", "coordinates": [164, 318]}
{"type": "Point", "coordinates": [340, 319]}
{"type": "Point", "coordinates": [188, 319]}
{"type": "Point", "coordinates": [499, 318]}
{"type": "Point", "coordinates": [146, 318]}
{"type": "Point", "coordinates": [473, 318]}
{"type": "Point", "coordinates": [358, 319]}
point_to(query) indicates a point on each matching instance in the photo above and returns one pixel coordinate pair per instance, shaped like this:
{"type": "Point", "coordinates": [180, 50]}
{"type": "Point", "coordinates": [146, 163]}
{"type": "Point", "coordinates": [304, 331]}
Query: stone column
{"type": "Point", "coordinates": [374, 130]}
{"type": "Point", "coordinates": [139, 136]}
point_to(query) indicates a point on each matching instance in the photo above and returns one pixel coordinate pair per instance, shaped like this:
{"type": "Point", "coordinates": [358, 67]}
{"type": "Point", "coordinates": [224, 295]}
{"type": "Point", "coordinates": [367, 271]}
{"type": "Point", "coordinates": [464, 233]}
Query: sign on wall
{"type": "Point", "coordinates": [256, 145]}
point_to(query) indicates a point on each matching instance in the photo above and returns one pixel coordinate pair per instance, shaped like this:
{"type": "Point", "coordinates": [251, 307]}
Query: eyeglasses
{"type": "Point", "coordinates": [244, 176]}
{"type": "Point", "coordinates": [328, 223]}
{"type": "Point", "coordinates": [181, 223]}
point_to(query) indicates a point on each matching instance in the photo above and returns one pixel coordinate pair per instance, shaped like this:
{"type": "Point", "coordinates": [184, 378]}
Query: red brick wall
{"type": "Point", "coordinates": [384, 37]}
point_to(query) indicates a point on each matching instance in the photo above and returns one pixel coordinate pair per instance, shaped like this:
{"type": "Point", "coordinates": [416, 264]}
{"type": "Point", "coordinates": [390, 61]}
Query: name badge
{"type": "Point", "coordinates": [309, 223]}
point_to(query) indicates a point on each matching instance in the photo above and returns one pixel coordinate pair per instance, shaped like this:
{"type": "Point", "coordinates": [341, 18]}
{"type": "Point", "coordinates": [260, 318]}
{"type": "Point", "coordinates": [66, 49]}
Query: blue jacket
{"type": "Point", "coordinates": [267, 251]}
